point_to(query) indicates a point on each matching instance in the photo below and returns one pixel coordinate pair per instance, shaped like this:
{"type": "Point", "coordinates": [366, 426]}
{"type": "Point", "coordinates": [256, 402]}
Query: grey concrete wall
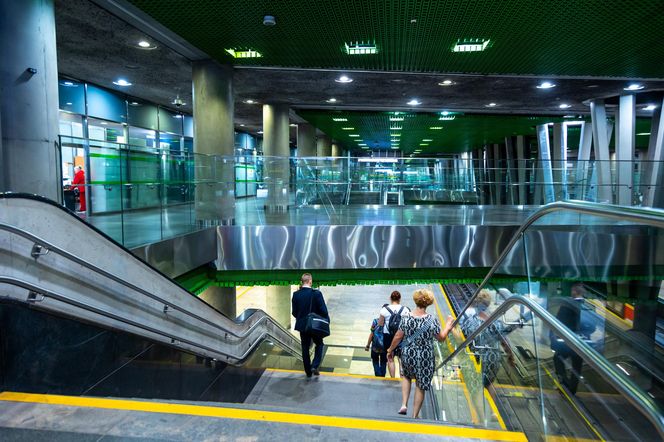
{"type": "Point", "coordinates": [29, 100]}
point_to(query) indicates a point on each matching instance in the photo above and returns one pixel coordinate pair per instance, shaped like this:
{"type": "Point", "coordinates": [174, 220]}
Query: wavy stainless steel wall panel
{"type": "Point", "coordinates": [367, 247]}
{"type": "Point", "coordinates": [176, 256]}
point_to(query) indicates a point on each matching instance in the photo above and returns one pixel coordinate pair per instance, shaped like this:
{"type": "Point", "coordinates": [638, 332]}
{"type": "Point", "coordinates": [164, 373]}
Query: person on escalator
{"type": "Point", "coordinates": [575, 315]}
{"type": "Point", "coordinates": [376, 343]}
{"type": "Point", "coordinates": [390, 318]}
{"type": "Point", "coordinates": [307, 300]}
{"type": "Point", "coordinates": [487, 345]}
{"type": "Point", "coordinates": [417, 332]}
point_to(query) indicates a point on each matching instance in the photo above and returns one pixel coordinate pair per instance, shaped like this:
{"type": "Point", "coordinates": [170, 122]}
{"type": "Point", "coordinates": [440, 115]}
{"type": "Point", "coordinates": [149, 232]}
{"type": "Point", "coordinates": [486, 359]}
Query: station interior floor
{"type": "Point", "coordinates": [351, 308]}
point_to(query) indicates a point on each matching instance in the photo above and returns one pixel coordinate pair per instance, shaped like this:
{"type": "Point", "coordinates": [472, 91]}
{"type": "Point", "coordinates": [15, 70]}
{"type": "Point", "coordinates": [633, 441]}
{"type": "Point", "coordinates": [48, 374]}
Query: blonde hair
{"type": "Point", "coordinates": [423, 298]}
{"type": "Point", "coordinates": [306, 278]}
{"type": "Point", "coordinates": [484, 297]}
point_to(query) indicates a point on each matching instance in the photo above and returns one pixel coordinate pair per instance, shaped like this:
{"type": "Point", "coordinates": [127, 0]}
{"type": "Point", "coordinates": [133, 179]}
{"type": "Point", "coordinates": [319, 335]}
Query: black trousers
{"type": "Point", "coordinates": [563, 352]}
{"type": "Point", "coordinates": [306, 340]}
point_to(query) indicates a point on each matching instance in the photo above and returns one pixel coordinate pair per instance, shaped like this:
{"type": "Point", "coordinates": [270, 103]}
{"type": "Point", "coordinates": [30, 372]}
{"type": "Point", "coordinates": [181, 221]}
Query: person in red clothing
{"type": "Point", "coordinates": [79, 183]}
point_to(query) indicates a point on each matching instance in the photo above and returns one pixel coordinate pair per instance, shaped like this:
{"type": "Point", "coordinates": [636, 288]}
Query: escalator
{"type": "Point", "coordinates": [81, 317]}
{"type": "Point", "coordinates": [85, 326]}
{"type": "Point", "coordinates": [538, 344]}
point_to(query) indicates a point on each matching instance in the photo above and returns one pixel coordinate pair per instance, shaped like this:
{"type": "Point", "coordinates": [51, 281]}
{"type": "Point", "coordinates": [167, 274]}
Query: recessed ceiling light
{"type": "Point", "coordinates": [446, 83]}
{"type": "Point", "coordinates": [545, 85]}
{"type": "Point", "coordinates": [122, 82]}
{"type": "Point", "coordinates": [104, 123]}
{"type": "Point", "coordinates": [331, 100]}
{"type": "Point", "coordinates": [650, 107]}
{"type": "Point", "coordinates": [177, 116]}
{"type": "Point", "coordinates": [643, 133]}
{"type": "Point", "coordinates": [414, 102]}
{"type": "Point", "coordinates": [471, 45]}
{"type": "Point", "coordinates": [424, 144]}
{"type": "Point", "coordinates": [339, 119]}
{"type": "Point", "coordinates": [293, 125]}
{"type": "Point", "coordinates": [144, 44]}
{"type": "Point", "coordinates": [344, 79]}
{"type": "Point", "coordinates": [362, 144]}
{"type": "Point", "coordinates": [396, 118]}
{"type": "Point", "coordinates": [69, 103]}
{"type": "Point", "coordinates": [564, 106]}
{"type": "Point", "coordinates": [396, 128]}
{"type": "Point", "coordinates": [360, 48]}
{"type": "Point", "coordinates": [634, 87]}
{"type": "Point", "coordinates": [249, 101]}
{"type": "Point", "coordinates": [249, 53]}
{"type": "Point", "coordinates": [358, 140]}
{"type": "Point", "coordinates": [353, 135]}
{"type": "Point", "coordinates": [259, 132]}
{"type": "Point", "coordinates": [347, 128]}
{"type": "Point", "coordinates": [427, 139]}
{"type": "Point", "coordinates": [394, 147]}
{"type": "Point", "coordinates": [436, 127]}
{"type": "Point", "coordinates": [395, 135]}
{"type": "Point", "coordinates": [134, 103]}
{"type": "Point", "coordinates": [242, 124]}
{"type": "Point", "coordinates": [491, 105]}
{"type": "Point", "coordinates": [67, 83]}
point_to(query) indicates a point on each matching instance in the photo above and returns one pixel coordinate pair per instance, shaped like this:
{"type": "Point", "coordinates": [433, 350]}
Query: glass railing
{"type": "Point", "coordinates": [140, 194]}
{"type": "Point", "coordinates": [593, 270]}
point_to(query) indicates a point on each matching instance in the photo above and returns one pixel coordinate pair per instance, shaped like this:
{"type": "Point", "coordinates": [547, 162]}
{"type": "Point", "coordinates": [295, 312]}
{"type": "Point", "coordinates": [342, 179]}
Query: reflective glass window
{"type": "Point", "coordinates": [106, 105]}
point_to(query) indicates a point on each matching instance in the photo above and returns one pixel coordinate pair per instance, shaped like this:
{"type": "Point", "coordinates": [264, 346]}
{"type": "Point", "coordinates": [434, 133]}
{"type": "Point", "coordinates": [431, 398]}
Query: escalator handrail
{"type": "Point", "coordinates": [651, 217]}
{"type": "Point", "coordinates": [174, 340]}
{"type": "Point", "coordinates": [53, 248]}
{"type": "Point", "coordinates": [601, 365]}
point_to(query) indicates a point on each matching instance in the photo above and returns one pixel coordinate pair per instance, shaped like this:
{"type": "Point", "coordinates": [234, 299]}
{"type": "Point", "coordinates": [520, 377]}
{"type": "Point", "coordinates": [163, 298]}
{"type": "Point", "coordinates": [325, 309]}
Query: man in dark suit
{"type": "Point", "coordinates": [305, 301]}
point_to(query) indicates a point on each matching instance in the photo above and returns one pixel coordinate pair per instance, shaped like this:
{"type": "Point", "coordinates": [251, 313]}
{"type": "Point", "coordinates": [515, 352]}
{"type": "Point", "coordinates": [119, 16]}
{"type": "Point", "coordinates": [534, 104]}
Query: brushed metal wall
{"type": "Point", "coordinates": [367, 247]}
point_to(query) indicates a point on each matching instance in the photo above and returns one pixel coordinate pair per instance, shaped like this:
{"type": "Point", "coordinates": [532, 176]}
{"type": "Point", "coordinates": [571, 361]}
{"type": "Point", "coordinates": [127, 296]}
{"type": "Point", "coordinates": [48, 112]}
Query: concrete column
{"type": "Point", "coordinates": [276, 151]}
{"type": "Point", "coordinates": [29, 99]}
{"type": "Point", "coordinates": [306, 140]}
{"type": "Point", "coordinates": [221, 298]}
{"type": "Point", "coordinates": [324, 146]}
{"type": "Point", "coordinates": [653, 194]}
{"type": "Point", "coordinates": [521, 168]}
{"type": "Point", "coordinates": [512, 186]}
{"type": "Point", "coordinates": [278, 304]}
{"type": "Point", "coordinates": [625, 141]}
{"type": "Point", "coordinates": [335, 149]}
{"type": "Point", "coordinates": [214, 142]}
{"type": "Point", "coordinates": [559, 161]}
{"type": "Point", "coordinates": [601, 137]}
{"type": "Point", "coordinates": [583, 161]}
{"type": "Point", "coordinates": [498, 174]}
{"type": "Point", "coordinates": [545, 174]}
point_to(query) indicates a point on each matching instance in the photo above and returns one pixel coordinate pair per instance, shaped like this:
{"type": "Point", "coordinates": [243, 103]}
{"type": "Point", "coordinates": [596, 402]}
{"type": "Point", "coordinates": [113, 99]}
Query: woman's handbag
{"type": "Point", "coordinates": [316, 325]}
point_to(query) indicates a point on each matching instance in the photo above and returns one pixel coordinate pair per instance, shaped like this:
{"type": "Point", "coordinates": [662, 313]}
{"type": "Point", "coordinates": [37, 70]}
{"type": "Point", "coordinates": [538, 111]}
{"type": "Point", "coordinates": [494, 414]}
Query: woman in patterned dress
{"type": "Point", "coordinates": [417, 355]}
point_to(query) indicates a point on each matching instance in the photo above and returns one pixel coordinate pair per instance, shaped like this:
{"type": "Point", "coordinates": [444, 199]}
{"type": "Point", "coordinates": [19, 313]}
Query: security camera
{"type": "Point", "coordinates": [269, 20]}
{"type": "Point", "coordinates": [177, 102]}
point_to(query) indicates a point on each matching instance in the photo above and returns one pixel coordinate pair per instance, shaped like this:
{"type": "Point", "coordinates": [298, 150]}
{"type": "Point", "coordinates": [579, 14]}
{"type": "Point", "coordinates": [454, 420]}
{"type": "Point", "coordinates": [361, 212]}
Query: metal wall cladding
{"type": "Point", "coordinates": [367, 247]}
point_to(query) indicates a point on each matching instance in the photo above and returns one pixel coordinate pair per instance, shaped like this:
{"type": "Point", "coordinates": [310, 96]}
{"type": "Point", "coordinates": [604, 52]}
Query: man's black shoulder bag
{"type": "Point", "coordinates": [316, 324]}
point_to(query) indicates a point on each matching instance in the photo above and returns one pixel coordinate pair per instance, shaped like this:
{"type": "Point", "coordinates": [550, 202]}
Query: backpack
{"type": "Point", "coordinates": [394, 321]}
{"type": "Point", "coordinates": [377, 341]}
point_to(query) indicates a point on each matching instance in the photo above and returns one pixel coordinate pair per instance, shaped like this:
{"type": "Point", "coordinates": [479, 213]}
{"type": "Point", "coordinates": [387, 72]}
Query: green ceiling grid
{"type": "Point", "coordinates": [555, 37]}
{"type": "Point", "coordinates": [466, 132]}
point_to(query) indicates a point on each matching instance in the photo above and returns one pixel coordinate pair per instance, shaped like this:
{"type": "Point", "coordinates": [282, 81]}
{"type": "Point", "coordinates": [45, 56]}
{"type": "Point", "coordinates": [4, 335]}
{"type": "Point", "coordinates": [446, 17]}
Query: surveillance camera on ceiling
{"type": "Point", "coordinates": [177, 102]}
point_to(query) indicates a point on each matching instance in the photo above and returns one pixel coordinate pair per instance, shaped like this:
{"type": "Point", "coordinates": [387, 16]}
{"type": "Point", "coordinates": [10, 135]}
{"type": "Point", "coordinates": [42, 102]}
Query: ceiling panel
{"type": "Point", "coordinates": [562, 37]}
{"type": "Point", "coordinates": [463, 133]}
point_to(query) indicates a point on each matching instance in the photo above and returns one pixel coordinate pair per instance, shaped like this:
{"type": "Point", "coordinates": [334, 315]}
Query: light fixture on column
{"type": "Point", "coordinates": [344, 79]}
{"type": "Point", "coordinates": [545, 85]}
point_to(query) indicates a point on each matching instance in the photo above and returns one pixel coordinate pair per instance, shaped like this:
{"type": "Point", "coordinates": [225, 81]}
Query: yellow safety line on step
{"type": "Point", "coordinates": [493, 406]}
{"type": "Point", "coordinates": [244, 291]}
{"type": "Point", "coordinates": [264, 416]}
{"type": "Point", "coordinates": [474, 417]}
{"type": "Point", "coordinates": [569, 399]}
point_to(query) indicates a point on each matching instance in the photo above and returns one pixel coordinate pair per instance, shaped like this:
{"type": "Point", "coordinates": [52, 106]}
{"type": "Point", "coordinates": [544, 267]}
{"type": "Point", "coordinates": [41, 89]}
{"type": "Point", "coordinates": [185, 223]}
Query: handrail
{"type": "Point", "coordinates": [652, 217]}
{"type": "Point", "coordinates": [42, 242]}
{"type": "Point", "coordinates": [62, 298]}
{"type": "Point", "coordinates": [617, 380]}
